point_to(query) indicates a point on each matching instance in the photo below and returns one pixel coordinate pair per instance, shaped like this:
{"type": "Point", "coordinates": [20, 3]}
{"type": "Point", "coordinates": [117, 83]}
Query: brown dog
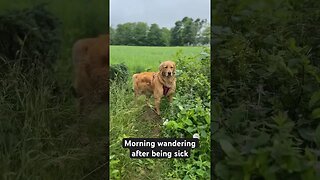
{"type": "Point", "coordinates": [158, 84]}
{"type": "Point", "coordinates": [90, 58]}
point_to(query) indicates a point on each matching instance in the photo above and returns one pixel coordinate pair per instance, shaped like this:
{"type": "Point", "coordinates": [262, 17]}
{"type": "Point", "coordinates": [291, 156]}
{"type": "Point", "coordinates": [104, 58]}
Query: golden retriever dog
{"type": "Point", "coordinates": [158, 84]}
{"type": "Point", "coordinates": [90, 59]}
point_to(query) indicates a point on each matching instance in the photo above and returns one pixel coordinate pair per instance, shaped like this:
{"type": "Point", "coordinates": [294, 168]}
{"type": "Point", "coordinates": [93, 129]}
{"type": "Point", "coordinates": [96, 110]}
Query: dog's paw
{"type": "Point", "coordinates": [158, 113]}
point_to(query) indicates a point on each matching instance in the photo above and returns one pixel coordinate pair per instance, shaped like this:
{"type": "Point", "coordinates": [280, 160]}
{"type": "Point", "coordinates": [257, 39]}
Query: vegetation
{"type": "Point", "coordinates": [41, 134]}
{"type": "Point", "coordinates": [140, 59]}
{"type": "Point", "coordinates": [266, 89]}
{"type": "Point", "coordinates": [30, 33]}
{"type": "Point", "coordinates": [185, 32]}
{"type": "Point", "coordinates": [189, 114]}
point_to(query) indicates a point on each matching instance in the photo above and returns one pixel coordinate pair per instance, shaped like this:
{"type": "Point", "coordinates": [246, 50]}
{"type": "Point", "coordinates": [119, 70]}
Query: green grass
{"type": "Point", "coordinates": [134, 119]}
{"type": "Point", "coordinates": [130, 119]}
{"type": "Point", "coordinates": [144, 57]}
{"type": "Point", "coordinates": [41, 134]}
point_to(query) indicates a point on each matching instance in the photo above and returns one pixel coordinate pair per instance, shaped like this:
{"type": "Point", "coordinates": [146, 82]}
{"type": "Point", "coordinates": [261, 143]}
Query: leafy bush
{"type": "Point", "coordinates": [119, 72]}
{"type": "Point", "coordinates": [266, 90]}
{"type": "Point", "coordinates": [191, 115]}
{"type": "Point", "coordinates": [30, 36]}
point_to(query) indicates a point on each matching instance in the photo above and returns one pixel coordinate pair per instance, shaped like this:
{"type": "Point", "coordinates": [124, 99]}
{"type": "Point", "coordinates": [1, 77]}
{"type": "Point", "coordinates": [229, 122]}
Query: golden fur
{"type": "Point", "coordinates": [158, 84]}
{"type": "Point", "coordinates": [90, 58]}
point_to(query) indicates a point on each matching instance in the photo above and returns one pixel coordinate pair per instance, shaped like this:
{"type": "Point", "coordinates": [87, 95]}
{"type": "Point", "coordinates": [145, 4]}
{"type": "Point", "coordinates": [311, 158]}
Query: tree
{"type": "Point", "coordinates": [176, 34]}
{"type": "Point", "coordinates": [189, 31]}
{"type": "Point", "coordinates": [154, 36]}
{"type": "Point", "coordinates": [124, 34]}
{"type": "Point", "coordinates": [203, 36]}
{"type": "Point", "coordinates": [166, 36]}
{"type": "Point", "coordinates": [112, 32]}
{"type": "Point", "coordinates": [140, 33]}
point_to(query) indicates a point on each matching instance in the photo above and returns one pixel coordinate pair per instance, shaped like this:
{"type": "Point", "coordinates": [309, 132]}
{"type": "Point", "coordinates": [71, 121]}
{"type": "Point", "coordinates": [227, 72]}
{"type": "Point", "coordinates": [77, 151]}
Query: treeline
{"type": "Point", "coordinates": [187, 32]}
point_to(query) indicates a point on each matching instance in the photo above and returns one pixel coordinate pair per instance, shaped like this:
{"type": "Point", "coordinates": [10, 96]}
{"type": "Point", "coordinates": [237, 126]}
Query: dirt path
{"type": "Point", "coordinates": [151, 120]}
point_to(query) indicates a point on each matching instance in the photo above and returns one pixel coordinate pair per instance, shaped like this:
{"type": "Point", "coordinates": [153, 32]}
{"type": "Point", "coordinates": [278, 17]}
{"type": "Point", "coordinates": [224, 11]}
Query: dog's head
{"type": "Point", "coordinates": [167, 68]}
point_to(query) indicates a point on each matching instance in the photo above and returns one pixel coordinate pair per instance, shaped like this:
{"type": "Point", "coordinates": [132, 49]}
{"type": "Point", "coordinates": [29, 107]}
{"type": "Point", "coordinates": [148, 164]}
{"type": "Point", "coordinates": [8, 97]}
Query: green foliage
{"type": "Point", "coordinates": [154, 37]}
{"type": "Point", "coordinates": [124, 34]}
{"type": "Point", "coordinates": [266, 90]}
{"type": "Point", "coordinates": [165, 36]}
{"type": "Point", "coordinates": [190, 114]}
{"type": "Point", "coordinates": [119, 72]}
{"type": "Point", "coordinates": [189, 32]}
{"type": "Point", "coordinates": [185, 32]}
{"type": "Point", "coordinates": [30, 35]}
{"type": "Point", "coordinates": [129, 118]}
{"type": "Point", "coordinates": [140, 33]}
{"type": "Point", "coordinates": [176, 34]}
{"type": "Point", "coordinates": [39, 123]}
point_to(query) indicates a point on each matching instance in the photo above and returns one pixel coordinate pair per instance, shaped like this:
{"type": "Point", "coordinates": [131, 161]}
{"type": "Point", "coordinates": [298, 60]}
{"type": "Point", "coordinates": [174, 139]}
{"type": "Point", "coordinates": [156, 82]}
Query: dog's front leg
{"type": "Point", "coordinates": [170, 102]}
{"type": "Point", "coordinates": [157, 104]}
{"type": "Point", "coordinates": [170, 98]}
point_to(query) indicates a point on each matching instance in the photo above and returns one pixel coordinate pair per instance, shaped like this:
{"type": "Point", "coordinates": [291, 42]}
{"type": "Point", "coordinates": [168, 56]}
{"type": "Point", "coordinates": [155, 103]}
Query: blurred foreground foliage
{"type": "Point", "coordinates": [266, 89]}
{"type": "Point", "coordinates": [41, 134]}
{"type": "Point", "coordinates": [30, 36]}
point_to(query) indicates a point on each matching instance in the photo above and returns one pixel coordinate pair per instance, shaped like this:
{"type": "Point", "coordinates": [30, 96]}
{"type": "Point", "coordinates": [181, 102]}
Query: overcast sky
{"type": "Point", "coordinates": [163, 12]}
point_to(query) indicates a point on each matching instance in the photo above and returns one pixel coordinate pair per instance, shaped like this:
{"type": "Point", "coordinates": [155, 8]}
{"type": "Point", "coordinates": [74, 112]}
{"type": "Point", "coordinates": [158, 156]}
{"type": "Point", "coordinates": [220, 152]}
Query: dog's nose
{"type": "Point", "coordinates": [169, 73]}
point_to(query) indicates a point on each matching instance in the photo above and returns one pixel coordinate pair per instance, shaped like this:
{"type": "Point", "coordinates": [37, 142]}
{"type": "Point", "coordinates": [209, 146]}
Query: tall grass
{"type": "Point", "coordinates": [129, 118]}
{"type": "Point", "coordinates": [41, 134]}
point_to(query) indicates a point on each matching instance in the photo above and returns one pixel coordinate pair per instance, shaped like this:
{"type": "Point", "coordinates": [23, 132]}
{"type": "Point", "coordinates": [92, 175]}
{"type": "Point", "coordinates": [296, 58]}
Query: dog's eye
{"type": "Point", "coordinates": [171, 67]}
{"type": "Point", "coordinates": [166, 67]}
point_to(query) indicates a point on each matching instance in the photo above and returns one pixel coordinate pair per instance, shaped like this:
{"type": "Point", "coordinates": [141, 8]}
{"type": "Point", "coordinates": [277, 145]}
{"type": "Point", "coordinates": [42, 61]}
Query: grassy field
{"type": "Point", "coordinates": [137, 57]}
{"type": "Point", "coordinates": [130, 119]}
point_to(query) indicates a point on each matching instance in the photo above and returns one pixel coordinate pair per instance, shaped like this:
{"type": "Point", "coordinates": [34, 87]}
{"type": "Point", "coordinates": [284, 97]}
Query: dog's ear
{"type": "Point", "coordinates": [174, 66]}
{"type": "Point", "coordinates": [160, 67]}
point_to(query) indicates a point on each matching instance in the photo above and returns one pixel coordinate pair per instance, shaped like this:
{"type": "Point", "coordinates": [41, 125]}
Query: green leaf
{"type": "Point", "coordinates": [222, 171]}
{"type": "Point", "coordinates": [201, 172]}
{"type": "Point", "coordinates": [314, 99]}
{"type": "Point", "coordinates": [228, 148]}
{"type": "Point", "coordinates": [315, 113]}
{"type": "Point", "coordinates": [281, 118]}
{"type": "Point", "coordinates": [306, 133]}
{"type": "Point", "coordinates": [172, 125]}
{"type": "Point", "coordinates": [261, 140]}
{"type": "Point", "coordinates": [203, 134]}
{"type": "Point", "coordinates": [190, 129]}
{"type": "Point", "coordinates": [207, 118]}
{"type": "Point", "coordinates": [309, 174]}
{"type": "Point", "coordinates": [188, 122]}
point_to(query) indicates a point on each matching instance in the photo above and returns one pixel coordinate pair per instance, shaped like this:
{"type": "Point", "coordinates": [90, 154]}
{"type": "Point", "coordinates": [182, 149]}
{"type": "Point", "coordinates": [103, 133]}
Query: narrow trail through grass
{"type": "Point", "coordinates": [132, 119]}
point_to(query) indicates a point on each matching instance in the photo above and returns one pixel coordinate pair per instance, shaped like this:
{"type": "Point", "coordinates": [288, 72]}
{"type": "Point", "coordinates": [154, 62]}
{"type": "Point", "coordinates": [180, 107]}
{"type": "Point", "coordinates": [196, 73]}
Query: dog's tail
{"type": "Point", "coordinates": [134, 76]}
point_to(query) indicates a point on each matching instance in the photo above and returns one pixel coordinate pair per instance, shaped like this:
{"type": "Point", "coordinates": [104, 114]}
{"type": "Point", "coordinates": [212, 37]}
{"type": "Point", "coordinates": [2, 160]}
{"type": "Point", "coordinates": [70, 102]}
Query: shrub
{"type": "Point", "coordinates": [265, 89]}
{"type": "Point", "coordinates": [191, 114]}
{"type": "Point", "coordinates": [119, 72]}
{"type": "Point", "coordinates": [30, 36]}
